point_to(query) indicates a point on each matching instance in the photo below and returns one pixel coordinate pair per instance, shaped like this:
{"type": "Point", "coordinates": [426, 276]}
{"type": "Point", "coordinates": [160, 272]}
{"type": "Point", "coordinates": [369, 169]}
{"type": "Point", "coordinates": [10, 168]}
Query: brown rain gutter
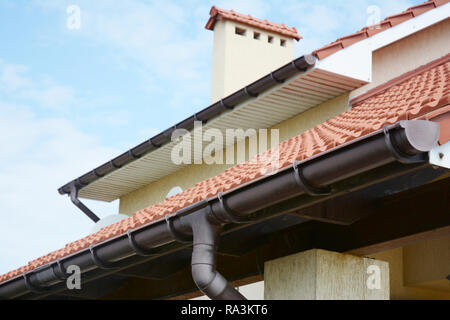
{"type": "Point", "coordinates": [406, 142]}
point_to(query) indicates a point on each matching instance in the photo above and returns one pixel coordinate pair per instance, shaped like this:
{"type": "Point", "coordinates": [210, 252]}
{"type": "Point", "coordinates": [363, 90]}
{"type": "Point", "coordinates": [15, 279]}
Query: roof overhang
{"type": "Point", "coordinates": [298, 93]}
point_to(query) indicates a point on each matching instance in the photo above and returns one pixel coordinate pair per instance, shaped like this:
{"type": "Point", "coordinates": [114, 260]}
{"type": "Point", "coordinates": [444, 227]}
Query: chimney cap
{"type": "Point", "coordinates": [222, 14]}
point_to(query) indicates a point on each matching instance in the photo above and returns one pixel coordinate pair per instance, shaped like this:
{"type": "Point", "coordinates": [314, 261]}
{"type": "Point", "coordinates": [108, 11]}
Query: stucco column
{"type": "Point", "coordinates": [324, 275]}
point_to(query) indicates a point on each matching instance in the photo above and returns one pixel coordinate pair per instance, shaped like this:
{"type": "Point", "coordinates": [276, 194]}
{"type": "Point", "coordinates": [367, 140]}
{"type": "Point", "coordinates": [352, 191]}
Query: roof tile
{"type": "Point", "coordinates": [217, 14]}
{"type": "Point", "coordinates": [387, 23]}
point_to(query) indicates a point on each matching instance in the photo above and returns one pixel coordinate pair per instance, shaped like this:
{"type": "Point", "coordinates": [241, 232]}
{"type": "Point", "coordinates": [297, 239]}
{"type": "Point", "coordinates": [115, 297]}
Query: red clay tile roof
{"type": "Point", "coordinates": [221, 14]}
{"type": "Point", "coordinates": [369, 31]}
{"type": "Point", "coordinates": [423, 92]}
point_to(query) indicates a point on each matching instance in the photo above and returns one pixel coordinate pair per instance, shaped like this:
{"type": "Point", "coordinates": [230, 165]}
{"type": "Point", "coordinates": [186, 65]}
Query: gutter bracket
{"type": "Point", "coordinates": [180, 237]}
{"type": "Point", "coordinates": [98, 262]}
{"type": "Point", "coordinates": [30, 286]}
{"type": "Point", "coordinates": [225, 106]}
{"type": "Point", "coordinates": [309, 189]}
{"type": "Point", "coordinates": [74, 198]}
{"type": "Point", "coordinates": [228, 215]}
{"type": "Point", "coordinates": [60, 273]}
{"type": "Point", "coordinates": [250, 94]}
{"type": "Point", "coordinates": [272, 76]}
{"type": "Point", "coordinates": [137, 248]}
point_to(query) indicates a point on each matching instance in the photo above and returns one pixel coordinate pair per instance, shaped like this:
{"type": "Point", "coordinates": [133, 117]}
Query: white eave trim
{"type": "Point", "coordinates": [355, 61]}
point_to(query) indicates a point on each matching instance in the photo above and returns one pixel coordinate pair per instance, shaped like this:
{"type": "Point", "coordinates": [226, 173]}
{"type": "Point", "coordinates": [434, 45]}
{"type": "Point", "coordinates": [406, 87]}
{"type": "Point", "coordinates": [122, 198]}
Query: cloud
{"type": "Point", "coordinates": [163, 42]}
{"type": "Point", "coordinates": [39, 154]}
{"type": "Point", "coordinates": [11, 77]}
{"type": "Point", "coordinates": [14, 81]}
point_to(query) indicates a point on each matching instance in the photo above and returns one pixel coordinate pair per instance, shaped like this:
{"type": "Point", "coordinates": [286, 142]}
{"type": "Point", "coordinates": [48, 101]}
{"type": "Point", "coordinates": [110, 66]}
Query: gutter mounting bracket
{"type": "Point", "coordinates": [30, 286]}
{"type": "Point", "coordinates": [302, 182]}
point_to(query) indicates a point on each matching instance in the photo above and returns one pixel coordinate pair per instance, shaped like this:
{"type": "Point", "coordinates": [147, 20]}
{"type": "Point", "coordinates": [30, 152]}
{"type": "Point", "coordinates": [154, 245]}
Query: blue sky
{"type": "Point", "coordinates": [72, 99]}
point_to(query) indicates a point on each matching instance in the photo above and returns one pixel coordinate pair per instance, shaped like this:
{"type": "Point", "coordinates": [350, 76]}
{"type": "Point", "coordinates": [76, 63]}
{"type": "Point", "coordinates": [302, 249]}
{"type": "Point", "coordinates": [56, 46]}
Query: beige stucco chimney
{"type": "Point", "coordinates": [246, 49]}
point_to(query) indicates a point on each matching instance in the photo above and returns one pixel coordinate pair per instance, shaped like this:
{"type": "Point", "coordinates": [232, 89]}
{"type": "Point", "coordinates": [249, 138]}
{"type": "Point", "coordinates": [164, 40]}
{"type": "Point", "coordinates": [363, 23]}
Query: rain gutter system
{"type": "Point", "coordinates": [201, 223]}
{"type": "Point", "coordinates": [251, 91]}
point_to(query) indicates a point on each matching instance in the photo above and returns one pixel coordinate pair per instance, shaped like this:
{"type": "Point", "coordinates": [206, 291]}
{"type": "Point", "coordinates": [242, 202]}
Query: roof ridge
{"type": "Point", "coordinates": [371, 30]}
{"type": "Point", "coordinates": [397, 80]}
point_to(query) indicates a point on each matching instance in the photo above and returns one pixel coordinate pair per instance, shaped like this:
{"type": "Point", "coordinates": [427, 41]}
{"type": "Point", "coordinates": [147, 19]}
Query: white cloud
{"type": "Point", "coordinates": [153, 39]}
{"type": "Point", "coordinates": [38, 155]}
{"type": "Point", "coordinates": [55, 97]}
{"type": "Point", "coordinates": [11, 77]}
{"type": "Point", "coordinates": [15, 81]}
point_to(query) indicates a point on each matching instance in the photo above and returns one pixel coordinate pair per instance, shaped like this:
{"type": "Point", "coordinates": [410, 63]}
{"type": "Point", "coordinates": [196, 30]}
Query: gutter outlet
{"type": "Point", "coordinates": [206, 230]}
{"type": "Point", "coordinates": [80, 205]}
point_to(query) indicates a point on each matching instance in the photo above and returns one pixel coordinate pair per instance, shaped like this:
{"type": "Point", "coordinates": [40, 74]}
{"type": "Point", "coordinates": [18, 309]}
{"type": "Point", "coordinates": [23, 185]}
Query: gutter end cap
{"type": "Point", "coordinates": [422, 135]}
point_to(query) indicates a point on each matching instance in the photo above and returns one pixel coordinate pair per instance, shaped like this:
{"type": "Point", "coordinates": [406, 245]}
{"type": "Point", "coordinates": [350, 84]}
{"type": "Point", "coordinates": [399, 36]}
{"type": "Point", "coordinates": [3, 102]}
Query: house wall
{"type": "Point", "coordinates": [418, 271]}
{"type": "Point", "coordinates": [239, 60]}
{"type": "Point", "coordinates": [388, 62]}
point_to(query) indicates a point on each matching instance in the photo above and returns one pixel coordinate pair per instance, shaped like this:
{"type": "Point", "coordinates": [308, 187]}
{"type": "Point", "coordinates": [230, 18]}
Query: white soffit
{"type": "Point", "coordinates": [276, 105]}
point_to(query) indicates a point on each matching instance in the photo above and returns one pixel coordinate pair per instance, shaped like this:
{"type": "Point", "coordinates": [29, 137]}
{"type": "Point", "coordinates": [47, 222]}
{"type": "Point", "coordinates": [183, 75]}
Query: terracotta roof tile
{"type": "Point", "coordinates": [221, 14]}
{"type": "Point", "coordinates": [369, 31]}
{"type": "Point", "coordinates": [423, 93]}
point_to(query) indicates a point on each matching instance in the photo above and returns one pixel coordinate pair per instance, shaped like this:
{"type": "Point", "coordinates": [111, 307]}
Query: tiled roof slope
{"type": "Point", "coordinates": [420, 93]}
{"type": "Point", "coordinates": [369, 31]}
{"type": "Point", "coordinates": [219, 14]}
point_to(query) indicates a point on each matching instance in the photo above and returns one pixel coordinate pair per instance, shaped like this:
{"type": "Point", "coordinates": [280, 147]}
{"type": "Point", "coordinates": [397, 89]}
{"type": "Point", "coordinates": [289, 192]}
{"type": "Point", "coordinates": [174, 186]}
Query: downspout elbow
{"type": "Point", "coordinates": [205, 240]}
{"type": "Point", "coordinates": [80, 205]}
{"type": "Point", "coordinates": [206, 277]}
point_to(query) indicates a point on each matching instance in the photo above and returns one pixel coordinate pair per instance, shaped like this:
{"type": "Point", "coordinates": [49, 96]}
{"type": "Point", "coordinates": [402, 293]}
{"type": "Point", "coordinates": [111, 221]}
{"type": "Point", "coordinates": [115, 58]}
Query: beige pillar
{"type": "Point", "coordinates": [323, 275]}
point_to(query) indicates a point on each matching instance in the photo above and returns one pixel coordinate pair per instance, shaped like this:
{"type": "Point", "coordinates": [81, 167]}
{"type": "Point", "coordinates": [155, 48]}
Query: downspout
{"type": "Point", "coordinates": [80, 205]}
{"type": "Point", "coordinates": [206, 231]}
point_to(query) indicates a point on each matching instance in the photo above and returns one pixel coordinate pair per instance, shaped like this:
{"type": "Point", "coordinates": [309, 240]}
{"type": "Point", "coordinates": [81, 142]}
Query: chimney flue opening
{"type": "Point", "coordinates": [240, 31]}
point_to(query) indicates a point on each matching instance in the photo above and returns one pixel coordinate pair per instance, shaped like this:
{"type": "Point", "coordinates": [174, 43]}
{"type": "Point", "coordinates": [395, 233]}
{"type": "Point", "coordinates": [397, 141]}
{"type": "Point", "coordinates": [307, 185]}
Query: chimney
{"type": "Point", "coordinates": [246, 49]}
